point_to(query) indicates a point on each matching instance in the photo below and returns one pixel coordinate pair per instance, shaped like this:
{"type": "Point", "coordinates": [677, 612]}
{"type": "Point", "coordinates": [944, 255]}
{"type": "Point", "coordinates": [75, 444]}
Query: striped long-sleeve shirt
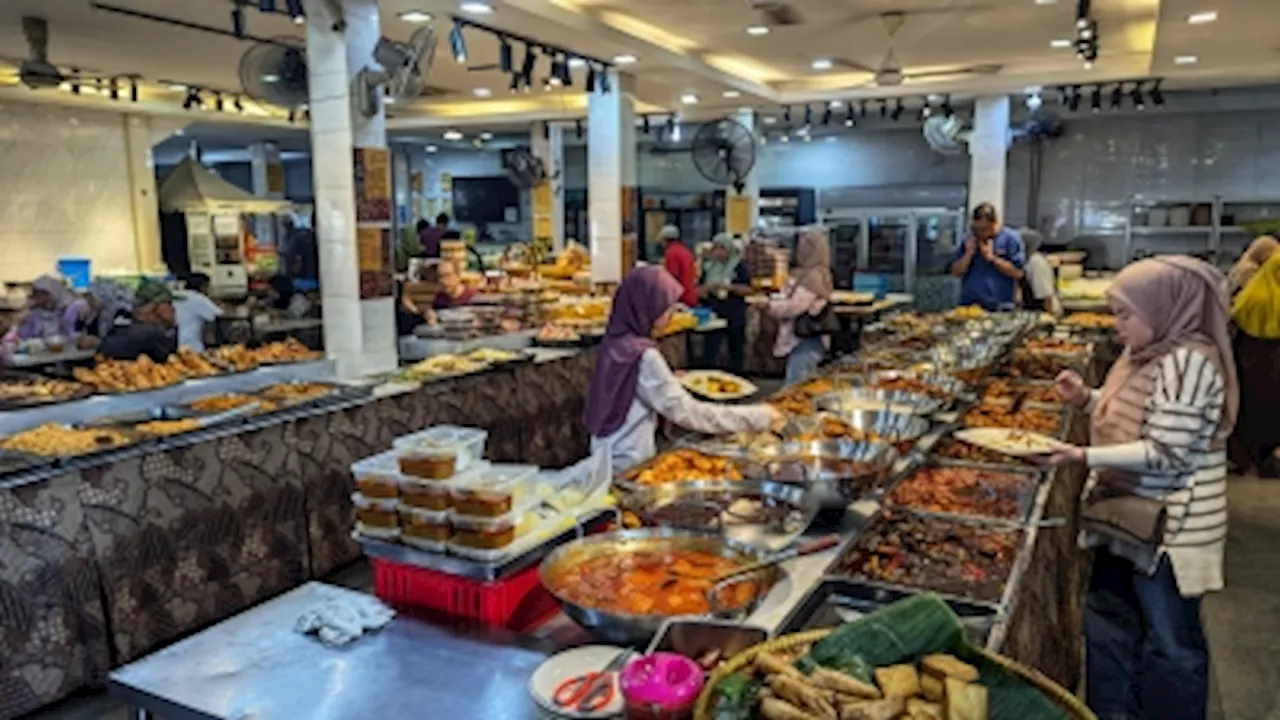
{"type": "Point", "coordinates": [1176, 461]}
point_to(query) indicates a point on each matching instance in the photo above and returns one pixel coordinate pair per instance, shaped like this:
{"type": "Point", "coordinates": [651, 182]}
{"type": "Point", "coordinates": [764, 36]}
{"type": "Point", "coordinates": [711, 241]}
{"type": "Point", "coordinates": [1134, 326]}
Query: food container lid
{"type": "Point", "coordinates": [409, 483]}
{"type": "Point", "coordinates": [379, 533]}
{"type": "Point", "coordinates": [368, 503]}
{"type": "Point", "coordinates": [384, 465]}
{"type": "Point", "coordinates": [487, 524]}
{"type": "Point", "coordinates": [495, 477]}
{"type": "Point", "coordinates": [434, 517]}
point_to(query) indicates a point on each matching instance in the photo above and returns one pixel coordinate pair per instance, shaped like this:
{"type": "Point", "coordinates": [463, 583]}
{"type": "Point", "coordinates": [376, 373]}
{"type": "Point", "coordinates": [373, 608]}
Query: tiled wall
{"type": "Point", "coordinates": [64, 190]}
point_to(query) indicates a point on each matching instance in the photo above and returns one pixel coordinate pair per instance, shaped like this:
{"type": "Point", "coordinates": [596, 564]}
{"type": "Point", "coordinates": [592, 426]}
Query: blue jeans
{"type": "Point", "coordinates": [1146, 654]}
{"type": "Point", "coordinates": [804, 358]}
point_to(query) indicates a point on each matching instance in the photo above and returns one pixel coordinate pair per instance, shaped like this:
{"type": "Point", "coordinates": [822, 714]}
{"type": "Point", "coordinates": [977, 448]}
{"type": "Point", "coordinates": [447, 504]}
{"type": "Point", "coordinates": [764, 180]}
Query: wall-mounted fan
{"type": "Point", "coordinates": [946, 135]}
{"type": "Point", "coordinates": [891, 73]}
{"type": "Point", "coordinates": [36, 71]}
{"type": "Point", "coordinates": [275, 73]}
{"type": "Point", "coordinates": [724, 151]}
{"type": "Point", "coordinates": [776, 13]}
{"type": "Point", "coordinates": [404, 70]}
{"type": "Point", "coordinates": [523, 168]}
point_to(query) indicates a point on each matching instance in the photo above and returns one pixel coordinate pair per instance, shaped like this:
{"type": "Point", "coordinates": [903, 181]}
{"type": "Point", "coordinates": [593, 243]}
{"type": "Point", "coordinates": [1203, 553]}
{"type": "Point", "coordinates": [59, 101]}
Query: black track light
{"type": "Point", "coordinates": [862, 108]}
{"type": "Point", "coordinates": [237, 21]}
{"type": "Point", "coordinates": [848, 115]}
{"type": "Point", "coordinates": [267, 6]}
{"type": "Point", "coordinates": [218, 101]}
{"type": "Point", "coordinates": [671, 125]}
{"type": "Point", "coordinates": [75, 81]}
{"type": "Point", "coordinates": [786, 115]}
{"type": "Point", "coordinates": [506, 59]}
{"type": "Point", "coordinates": [1157, 97]}
{"type": "Point", "coordinates": [546, 131]}
{"type": "Point", "coordinates": [515, 83]}
{"type": "Point", "coordinates": [238, 105]}
{"type": "Point", "coordinates": [884, 109]}
{"type": "Point", "coordinates": [1073, 102]}
{"type": "Point", "coordinates": [529, 65]}
{"type": "Point", "coordinates": [566, 75]}
{"type": "Point", "coordinates": [947, 110]}
{"type": "Point", "coordinates": [1117, 96]}
{"type": "Point", "coordinates": [897, 110]}
{"type": "Point", "coordinates": [808, 115]}
{"type": "Point", "coordinates": [591, 78]}
{"type": "Point", "coordinates": [192, 100]}
{"type": "Point", "coordinates": [604, 81]}
{"type": "Point", "coordinates": [1139, 102]}
{"type": "Point", "coordinates": [644, 124]}
{"type": "Point", "coordinates": [133, 89]}
{"type": "Point", "coordinates": [293, 115]}
{"type": "Point", "coordinates": [296, 12]}
{"type": "Point", "coordinates": [114, 86]}
{"type": "Point", "coordinates": [577, 128]}
{"type": "Point", "coordinates": [457, 43]}
{"type": "Point", "coordinates": [826, 116]}
{"type": "Point", "coordinates": [1095, 102]}
{"type": "Point", "coordinates": [926, 109]}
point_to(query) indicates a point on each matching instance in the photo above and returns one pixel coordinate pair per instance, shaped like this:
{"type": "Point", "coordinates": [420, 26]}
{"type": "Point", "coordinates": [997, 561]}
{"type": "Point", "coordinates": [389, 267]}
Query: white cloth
{"type": "Point", "coordinates": [192, 310]}
{"type": "Point", "coordinates": [659, 393]}
{"type": "Point", "coordinates": [1040, 276]}
{"type": "Point", "coordinates": [341, 619]}
{"type": "Point", "coordinates": [1175, 463]}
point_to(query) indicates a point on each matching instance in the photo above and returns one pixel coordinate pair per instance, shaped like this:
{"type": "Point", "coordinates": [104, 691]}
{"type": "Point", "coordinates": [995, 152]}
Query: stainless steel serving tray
{"type": "Point", "coordinates": [837, 471]}
{"type": "Point", "coordinates": [863, 398]}
{"type": "Point", "coordinates": [890, 427]}
{"type": "Point", "coordinates": [1026, 496]}
{"type": "Point", "coordinates": [785, 510]}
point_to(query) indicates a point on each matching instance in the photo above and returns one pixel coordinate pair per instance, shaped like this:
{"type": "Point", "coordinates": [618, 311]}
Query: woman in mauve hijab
{"type": "Point", "coordinates": [632, 385]}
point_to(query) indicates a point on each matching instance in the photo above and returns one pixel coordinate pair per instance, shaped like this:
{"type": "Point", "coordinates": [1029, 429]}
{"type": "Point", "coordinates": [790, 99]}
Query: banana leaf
{"type": "Point", "coordinates": [924, 624]}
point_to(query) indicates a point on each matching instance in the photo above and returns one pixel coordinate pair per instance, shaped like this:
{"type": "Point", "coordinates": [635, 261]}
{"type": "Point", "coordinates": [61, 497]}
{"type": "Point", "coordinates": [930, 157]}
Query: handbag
{"type": "Point", "coordinates": [824, 322]}
{"type": "Point", "coordinates": [1120, 515]}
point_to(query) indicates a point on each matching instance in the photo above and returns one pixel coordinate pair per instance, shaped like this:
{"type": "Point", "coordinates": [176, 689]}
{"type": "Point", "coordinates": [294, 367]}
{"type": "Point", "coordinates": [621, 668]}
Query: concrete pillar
{"type": "Point", "coordinates": [546, 140]}
{"type": "Point", "coordinates": [988, 152]}
{"type": "Point", "coordinates": [145, 209]}
{"type": "Point", "coordinates": [266, 173]}
{"type": "Point", "coordinates": [742, 209]}
{"type": "Point", "coordinates": [611, 178]}
{"type": "Point", "coordinates": [359, 327]}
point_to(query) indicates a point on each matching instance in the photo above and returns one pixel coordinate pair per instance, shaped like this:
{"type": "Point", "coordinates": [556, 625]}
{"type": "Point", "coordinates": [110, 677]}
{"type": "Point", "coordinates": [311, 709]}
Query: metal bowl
{"type": "Point", "coordinates": [837, 472]}
{"type": "Point", "coordinates": [945, 383]}
{"type": "Point", "coordinates": [626, 628]}
{"type": "Point", "coordinates": [760, 514]}
{"type": "Point", "coordinates": [865, 398]}
{"type": "Point", "coordinates": [886, 426]}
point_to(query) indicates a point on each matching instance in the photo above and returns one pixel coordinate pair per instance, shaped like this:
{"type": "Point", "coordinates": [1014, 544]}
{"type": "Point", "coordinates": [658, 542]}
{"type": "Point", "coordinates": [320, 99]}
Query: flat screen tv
{"type": "Point", "coordinates": [486, 200]}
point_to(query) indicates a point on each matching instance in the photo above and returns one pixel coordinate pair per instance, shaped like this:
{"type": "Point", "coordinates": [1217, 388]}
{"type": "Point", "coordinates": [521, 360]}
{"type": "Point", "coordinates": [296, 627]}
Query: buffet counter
{"type": "Point", "coordinates": [104, 559]}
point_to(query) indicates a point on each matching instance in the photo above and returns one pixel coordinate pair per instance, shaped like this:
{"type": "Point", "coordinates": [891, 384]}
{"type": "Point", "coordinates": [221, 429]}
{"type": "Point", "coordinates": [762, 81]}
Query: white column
{"type": "Point", "coordinates": [333, 172]}
{"type": "Point", "coordinates": [546, 140]}
{"type": "Point", "coordinates": [264, 160]}
{"type": "Point", "coordinates": [145, 210]}
{"type": "Point", "coordinates": [988, 152]}
{"type": "Point", "coordinates": [378, 317]}
{"type": "Point", "coordinates": [611, 175]}
{"type": "Point", "coordinates": [751, 187]}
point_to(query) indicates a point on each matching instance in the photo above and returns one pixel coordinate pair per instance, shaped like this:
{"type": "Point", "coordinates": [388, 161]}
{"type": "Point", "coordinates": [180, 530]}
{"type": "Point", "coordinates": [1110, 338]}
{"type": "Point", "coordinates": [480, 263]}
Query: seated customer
{"type": "Point", "coordinates": [52, 310]}
{"type": "Point", "coordinates": [148, 331]}
{"type": "Point", "coordinates": [453, 292]}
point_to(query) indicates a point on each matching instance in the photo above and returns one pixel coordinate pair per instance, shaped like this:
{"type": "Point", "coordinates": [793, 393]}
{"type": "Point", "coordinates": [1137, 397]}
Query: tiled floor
{"type": "Point", "coordinates": [1243, 622]}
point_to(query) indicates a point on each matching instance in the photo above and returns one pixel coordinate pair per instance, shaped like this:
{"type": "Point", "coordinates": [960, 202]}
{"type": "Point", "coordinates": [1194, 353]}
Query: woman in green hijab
{"type": "Point", "coordinates": [725, 286]}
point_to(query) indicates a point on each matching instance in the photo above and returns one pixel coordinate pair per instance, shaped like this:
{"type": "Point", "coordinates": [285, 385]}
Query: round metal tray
{"type": "Point", "coordinates": [865, 398]}
{"type": "Point", "coordinates": [836, 471]}
{"type": "Point", "coordinates": [760, 514]}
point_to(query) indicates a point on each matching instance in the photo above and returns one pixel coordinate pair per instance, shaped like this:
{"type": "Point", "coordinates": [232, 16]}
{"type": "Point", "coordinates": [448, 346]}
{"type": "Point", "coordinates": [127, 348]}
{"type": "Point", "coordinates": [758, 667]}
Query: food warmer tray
{"type": "Point", "coordinates": [1001, 607]}
{"type": "Point", "coordinates": [835, 601]}
{"type": "Point", "coordinates": [592, 521]}
{"type": "Point", "coordinates": [1028, 497]}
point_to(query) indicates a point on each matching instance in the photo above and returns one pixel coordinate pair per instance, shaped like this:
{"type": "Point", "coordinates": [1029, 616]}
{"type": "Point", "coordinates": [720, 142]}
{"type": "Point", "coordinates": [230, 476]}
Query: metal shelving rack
{"type": "Point", "coordinates": [1224, 237]}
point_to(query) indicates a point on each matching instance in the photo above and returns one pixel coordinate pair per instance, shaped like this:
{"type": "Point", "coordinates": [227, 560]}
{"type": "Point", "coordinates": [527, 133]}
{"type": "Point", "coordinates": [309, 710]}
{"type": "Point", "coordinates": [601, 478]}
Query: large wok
{"type": "Point", "coordinates": [627, 628]}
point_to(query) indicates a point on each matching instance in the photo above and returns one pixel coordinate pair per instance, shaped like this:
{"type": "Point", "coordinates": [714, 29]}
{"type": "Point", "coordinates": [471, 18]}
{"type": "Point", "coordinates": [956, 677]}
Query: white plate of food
{"type": "Point", "coordinates": [557, 685]}
{"type": "Point", "coordinates": [1009, 441]}
{"type": "Point", "coordinates": [717, 385]}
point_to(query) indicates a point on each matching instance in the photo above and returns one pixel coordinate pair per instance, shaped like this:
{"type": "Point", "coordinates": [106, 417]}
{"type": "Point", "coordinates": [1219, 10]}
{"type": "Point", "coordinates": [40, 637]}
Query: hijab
{"type": "Point", "coordinates": [643, 297]}
{"type": "Point", "coordinates": [715, 272]}
{"type": "Point", "coordinates": [813, 263]}
{"type": "Point", "coordinates": [44, 322]}
{"type": "Point", "coordinates": [112, 299]}
{"type": "Point", "coordinates": [1184, 302]}
{"type": "Point", "coordinates": [1262, 248]}
{"type": "Point", "coordinates": [1256, 309]}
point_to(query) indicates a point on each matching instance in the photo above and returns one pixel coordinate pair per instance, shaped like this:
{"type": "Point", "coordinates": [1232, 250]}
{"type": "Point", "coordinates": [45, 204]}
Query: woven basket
{"type": "Point", "coordinates": [1065, 700]}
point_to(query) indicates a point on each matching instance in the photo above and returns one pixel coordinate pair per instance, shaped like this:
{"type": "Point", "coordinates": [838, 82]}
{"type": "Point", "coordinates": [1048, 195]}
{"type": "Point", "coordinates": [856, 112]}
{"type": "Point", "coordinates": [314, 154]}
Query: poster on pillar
{"type": "Point", "coordinates": [738, 217]}
{"type": "Point", "coordinates": [373, 185]}
{"type": "Point", "coordinates": [373, 245]}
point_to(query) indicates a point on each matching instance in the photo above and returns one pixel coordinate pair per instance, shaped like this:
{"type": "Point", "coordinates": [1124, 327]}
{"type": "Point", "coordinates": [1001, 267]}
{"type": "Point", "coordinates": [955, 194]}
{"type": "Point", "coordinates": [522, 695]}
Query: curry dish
{"type": "Point", "coordinates": [673, 582]}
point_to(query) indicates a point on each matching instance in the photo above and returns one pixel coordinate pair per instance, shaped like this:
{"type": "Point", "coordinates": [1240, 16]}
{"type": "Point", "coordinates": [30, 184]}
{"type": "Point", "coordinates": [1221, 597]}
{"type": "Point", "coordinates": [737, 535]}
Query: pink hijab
{"type": "Point", "coordinates": [1184, 302]}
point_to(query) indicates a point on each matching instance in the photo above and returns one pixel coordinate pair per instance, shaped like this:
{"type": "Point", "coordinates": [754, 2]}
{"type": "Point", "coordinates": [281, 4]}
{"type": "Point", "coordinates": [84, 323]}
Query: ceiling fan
{"type": "Point", "coordinates": [776, 13]}
{"type": "Point", "coordinates": [890, 73]}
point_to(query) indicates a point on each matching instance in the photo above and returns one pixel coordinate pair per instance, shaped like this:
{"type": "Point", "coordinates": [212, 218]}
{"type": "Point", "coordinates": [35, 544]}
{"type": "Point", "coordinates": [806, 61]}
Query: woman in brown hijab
{"type": "Point", "coordinates": [807, 291]}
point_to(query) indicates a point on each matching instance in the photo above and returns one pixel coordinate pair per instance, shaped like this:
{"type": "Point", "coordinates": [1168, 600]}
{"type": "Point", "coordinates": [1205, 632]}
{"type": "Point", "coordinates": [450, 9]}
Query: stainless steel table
{"type": "Point", "coordinates": [255, 666]}
{"type": "Point", "coordinates": [34, 360]}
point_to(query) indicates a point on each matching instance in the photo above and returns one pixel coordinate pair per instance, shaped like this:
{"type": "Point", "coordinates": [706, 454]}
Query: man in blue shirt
{"type": "Point", "coordinates": [990, 262]}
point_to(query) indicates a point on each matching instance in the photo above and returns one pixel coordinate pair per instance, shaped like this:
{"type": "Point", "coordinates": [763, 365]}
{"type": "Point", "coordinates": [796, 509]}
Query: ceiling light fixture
{"type": "Point", "coordinates": [237, 21]}
{"type": "Point", "coordinates": [786, 114]}
{"type": "Point", "coordinates": [1157, 97]}
{"type": "Point", "coordinates": [770, 120]}
{"type": "Point", "coordinates": [1139, 102]}
{"type": "Point", "coordinates": [757, 30]}
{"type": "Point", "coordinates": [296, 12]}
{"type": "Point", "coordinates": [604, 80]}
{"type": "Point", "coordinates": [645, 124]}
{"type": "Point", "coordinates": [731, 94]}
{"type": "Point", "coordinates": [431, 148]}
{"type": "Point", "coordinates": [1095, 102]}
{"type": "Point", "coordinates": [821, 64]}
{"type": "Point", "coordinates": [848, 115]}
{"type": "Point", "coordinates": [1059, 43]}
{"type": "Point", "coordinates": [457, 43]}
{"type": "Point", "coordinates": [576, 62]}
{"type": "Point", "coordinates": [826, 116]}
{"type": "Point", "coordinates": [217, 103]}
{"type": "Point", "coordinates": [884, 109]}
{"type": "Point", "coordinates": [808, 116]}
{"type": "Point", "coordinates": [591, 79]}
{"type": "Point", "coordinates": [238, 105]}
{"type": "Point", "coordinates": [530, 64]}
{"type": "Point", "coordinates": [1046, 2]}
{"type": "Point", "coordinates": [267, 6]}
{"type": "Point", "coordinates": [1186, 60]}
{"type": "Point", "coordinates": [577, 128]}
{"type": "Point", "coordinates": [476, 8]}
{"type": "Point", "coordinates": [452, 135]}
{"type": "Point", "coordinates": [1117, 96]}
{"type": "Point", "coordinates": [482, 92]}
{"type": "Point", "coordinates": [1202, 18]}
{"type": "Point", "coordinates": [834, 104]}
{"type": "Point", "coordinates": [133, 89]}
{"type": "Point", "coordinates": [486, 136]}
{"type": "Point", "coordinates": [192, 99]}
{"type": "Point", "coordinates": [624, 59]}
{"type": "Point", "coordinates": [415, 16]}
{"type": "Point", "coordinates": [676, 131]}
{"type": "Point", "coordinates": [785, 138]}
{"type": "Point", "coordinates": [947, 110]}
{"type": "Point", "coordinates": [689, 99]}
{"type": "Point", "coordinates": [897, 110]}
{"type": "Point", "coordinates": [506, 56]}
{"type": "Point", "coordinates": [114, 89]}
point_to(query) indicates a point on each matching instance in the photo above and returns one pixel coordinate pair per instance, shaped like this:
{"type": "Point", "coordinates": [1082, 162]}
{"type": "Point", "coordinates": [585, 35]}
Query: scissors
{"type": "Point", "coordinates": [590, 692]}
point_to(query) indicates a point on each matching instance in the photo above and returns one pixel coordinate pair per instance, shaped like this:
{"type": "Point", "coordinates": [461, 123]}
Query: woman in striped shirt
{"type": "Point", "coordinates": [1158, 430]}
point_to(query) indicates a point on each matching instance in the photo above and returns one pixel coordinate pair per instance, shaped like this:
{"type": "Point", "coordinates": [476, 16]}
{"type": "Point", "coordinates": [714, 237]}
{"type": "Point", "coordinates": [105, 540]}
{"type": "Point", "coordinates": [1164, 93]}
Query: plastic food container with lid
{"type": "Point", "coordinates": [376, 512]}
{"type": "Point", "coordinates": [425, 494]}
{"type": "Point", "coordinates": [484, 533]}
{"type": "Point", "coordinates": [439, 452]}
{"type": "Point", "coordinates": [425, 525]}
{"type": "Point", "coordinates": [377, 476]}
{"type": "Point", "coordinates": [493, 490]}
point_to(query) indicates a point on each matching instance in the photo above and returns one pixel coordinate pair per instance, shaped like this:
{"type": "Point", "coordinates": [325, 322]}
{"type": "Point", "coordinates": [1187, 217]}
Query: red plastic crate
{"type": "Point", "coordinates": [519, 602]}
